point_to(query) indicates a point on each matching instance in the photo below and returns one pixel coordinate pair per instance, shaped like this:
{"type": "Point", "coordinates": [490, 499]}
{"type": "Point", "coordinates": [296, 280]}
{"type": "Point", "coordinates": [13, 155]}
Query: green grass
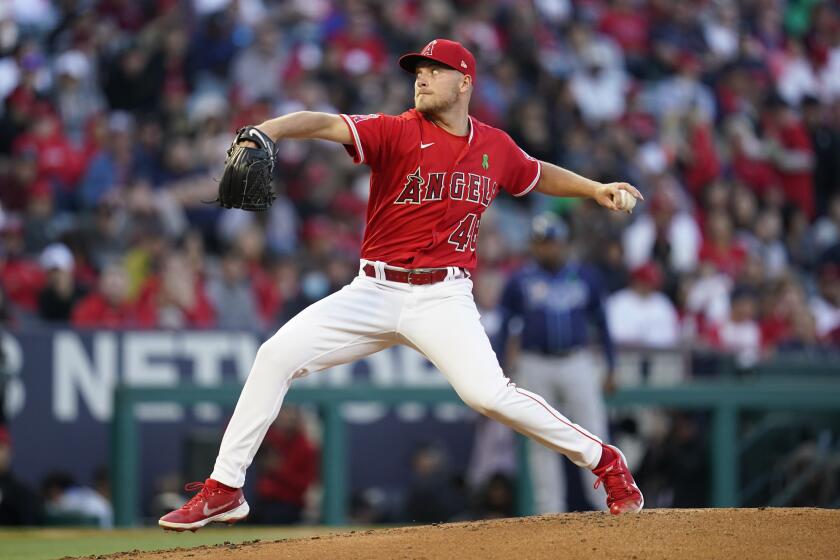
{"type": "Point", "coordinates": [41, 544]}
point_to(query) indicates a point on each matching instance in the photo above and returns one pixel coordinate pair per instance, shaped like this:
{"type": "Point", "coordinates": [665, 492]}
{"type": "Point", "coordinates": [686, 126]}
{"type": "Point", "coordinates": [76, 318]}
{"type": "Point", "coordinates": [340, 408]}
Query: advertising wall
{"type": "Point", "coordinates": [59, 401]}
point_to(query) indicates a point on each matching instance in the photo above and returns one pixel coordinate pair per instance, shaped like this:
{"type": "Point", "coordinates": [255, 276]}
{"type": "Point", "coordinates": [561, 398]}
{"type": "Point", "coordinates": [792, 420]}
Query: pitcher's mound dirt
{"type": "Point", "coordinates": [732, 534]}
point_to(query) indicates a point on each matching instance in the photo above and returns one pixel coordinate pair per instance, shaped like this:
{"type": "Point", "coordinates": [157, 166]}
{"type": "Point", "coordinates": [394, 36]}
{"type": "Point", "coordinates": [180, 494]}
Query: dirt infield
{"type": "Point", "coordinates": [739, 534]}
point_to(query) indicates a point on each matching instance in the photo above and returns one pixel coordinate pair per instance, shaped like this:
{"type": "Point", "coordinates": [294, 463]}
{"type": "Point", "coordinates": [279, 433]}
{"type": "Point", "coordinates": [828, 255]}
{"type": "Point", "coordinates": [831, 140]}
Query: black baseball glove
{"type": "Point", "coordinates": [246, 180]}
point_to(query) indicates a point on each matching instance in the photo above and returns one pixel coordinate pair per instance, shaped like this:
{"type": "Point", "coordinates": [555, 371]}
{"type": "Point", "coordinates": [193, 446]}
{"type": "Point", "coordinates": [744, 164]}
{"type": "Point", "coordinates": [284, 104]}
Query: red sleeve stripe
{"type": "Point", "coordinates": [534, 182]}
{"type": "Point", "coordinates": [356, 141]}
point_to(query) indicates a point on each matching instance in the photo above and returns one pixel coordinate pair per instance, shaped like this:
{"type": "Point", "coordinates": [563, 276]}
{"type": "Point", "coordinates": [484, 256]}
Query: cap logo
{"type": "Point", "coordinates": [463, 64]}
{"type": "Point", "coordinates": [429, 49]}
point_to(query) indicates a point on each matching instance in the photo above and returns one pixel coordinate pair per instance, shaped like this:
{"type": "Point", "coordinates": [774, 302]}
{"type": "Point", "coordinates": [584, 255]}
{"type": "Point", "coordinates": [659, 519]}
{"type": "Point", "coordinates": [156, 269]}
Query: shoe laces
{"type": "Point", "coordinates": [203, 493]}
{"type": "Point", "coordinates": [615, 482]}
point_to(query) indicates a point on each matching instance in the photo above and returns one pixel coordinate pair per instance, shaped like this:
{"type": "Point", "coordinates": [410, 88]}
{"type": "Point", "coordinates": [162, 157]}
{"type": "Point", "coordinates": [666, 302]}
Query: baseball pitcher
{"type": "Point", "coordinates": [435, 170]}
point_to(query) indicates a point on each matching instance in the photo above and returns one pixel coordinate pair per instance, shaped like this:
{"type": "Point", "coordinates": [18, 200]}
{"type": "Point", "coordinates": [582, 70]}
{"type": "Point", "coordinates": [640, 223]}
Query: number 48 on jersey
{"type": "Point", "coordinates": [466, 233]}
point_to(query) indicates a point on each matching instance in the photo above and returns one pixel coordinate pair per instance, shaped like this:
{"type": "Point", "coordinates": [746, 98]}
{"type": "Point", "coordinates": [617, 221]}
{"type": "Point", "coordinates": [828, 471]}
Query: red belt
{"type": "Point", "coordinates": [410, 276]}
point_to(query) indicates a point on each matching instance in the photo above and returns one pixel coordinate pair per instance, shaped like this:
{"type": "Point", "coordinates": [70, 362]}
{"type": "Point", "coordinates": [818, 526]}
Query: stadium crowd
{"type": "Point", "coordinates": [116, 117]}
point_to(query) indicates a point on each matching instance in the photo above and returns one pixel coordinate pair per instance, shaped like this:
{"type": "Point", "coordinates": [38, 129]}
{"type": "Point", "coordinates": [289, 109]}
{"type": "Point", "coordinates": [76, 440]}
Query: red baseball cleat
{"type": "Point", "coordinates": [213, 503]}
{"type": "Point", "coordinates": [623, 496]}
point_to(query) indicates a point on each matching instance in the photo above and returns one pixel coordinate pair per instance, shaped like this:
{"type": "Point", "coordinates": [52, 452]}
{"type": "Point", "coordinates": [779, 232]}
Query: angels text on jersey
{"type": "Point", "coordinates": [469, 187]}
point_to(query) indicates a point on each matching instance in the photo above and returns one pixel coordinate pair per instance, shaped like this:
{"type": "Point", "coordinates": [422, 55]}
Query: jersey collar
{"type": "Point", "coordinates": [431, 122]}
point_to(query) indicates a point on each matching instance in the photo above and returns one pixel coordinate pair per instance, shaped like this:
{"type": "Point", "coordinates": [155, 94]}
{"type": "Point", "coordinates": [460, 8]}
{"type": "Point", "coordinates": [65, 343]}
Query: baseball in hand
{"type": "Point", "coordinates": [625, 201]}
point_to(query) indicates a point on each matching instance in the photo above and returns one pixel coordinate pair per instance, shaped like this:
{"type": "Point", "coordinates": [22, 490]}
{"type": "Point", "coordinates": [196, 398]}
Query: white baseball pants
{"type": "Point", "coordinates": [368, 315]}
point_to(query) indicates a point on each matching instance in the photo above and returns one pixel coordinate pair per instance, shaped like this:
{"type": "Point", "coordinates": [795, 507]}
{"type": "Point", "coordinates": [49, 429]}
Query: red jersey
{"type": "Point", "coordinates": [95, 311]}
{"type": "Point", "coordinates": [798, 185]}
{"type": "Point", "coordinates": [429, 188]}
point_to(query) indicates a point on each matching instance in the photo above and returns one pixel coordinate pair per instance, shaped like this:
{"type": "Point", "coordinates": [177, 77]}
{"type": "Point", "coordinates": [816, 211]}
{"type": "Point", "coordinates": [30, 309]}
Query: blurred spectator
{"type": "Point", "coordinates": [59, 162]}
{"type": "Point", "coordinates": [288, 469]}
{"type": "Point", "coordinates": [766, 243]}
{"type": "Point", "coordinates": [825, 305]}
{"type": "Point", "coordinates": [19, 505]}
{"type": "Point", "coordinates": [720, 247]}
{"type": "Point", "coordinates": [801, 245]}
{"type": "Point", "coordinates": [825, 139]}
{"type": "Point", "coordinates": [610, 260]}
{"type": "Point", "coordinates": [182, 182]}
{"type": "Point", "coordinates": [174, 297]}
{"type": "Point", "coordinates": [720, 30]}
{"type": "Point", "coordinates": [285, 277]}
{"type": "Point", "coordinates": [496, 499]}
{"type": "Point", "coordinates": [706, 301]}
{"type": "Point", "coordinates": [77, 95]}
{"type": "Point", "coordinates": [826, 230]}
{"type": "Point", "coordinates": [282, 226]}
{"type": "Point", "coordinates": [684, 92]}
{"type": "Point", "coordinates": [689, 137]}
{"type": "Point", "coordinates": [109, 306]}
{"type": "Point", "coordinates": [105, 231]}
{"type": "Point", "coordinates": [790, 150]}
{"type": "Point", "coordinates": [60, 294]}
{"type": "Point", "coordinates": [794, 73]}
{"type": "Point", "coordinates": [641, 315]}
{"type": "Point", "coordinates": [21, 179]}
{"type": "Point", "coordinates": [532, 129]}
{"type": "Point", "coordinates": [778, 304]}
{"type": "Point", "coordinates": [70, 503]}
{"type": "Point", "coordinates": [257, 70]}
{"type": "Point", "coordinates": [664, 234]}
{"type": "Point", "coordinates": [432, 496]}
{"type": "Point", "coordinates": [358, 48]}
{"type": "Point", "coordinates": [628, 24]}
{"type": "Point", "coordinates": [803, 337]}
{"type": "Point", "coordinates": [598, 88]}
{"type": "Point", "coordinates": [173, 58]}
{"type": "Point", "coordinates": [740, 333]}
{"type": "Point", "coordinates": [675, 469]}
{"type": "Point", "coordinates": [22, 278]}
{"type": "Point", "coordinates": [743, 209]}
{"type": "Point", "coordinates": [149, 246]}
{"type": "Point", "coordinates": [132, 82]}
{"type": "Point", "coordinates": [676, 33]}
{"type": "Point", "coordinates": [751, 158]}
{"type": "Point", "coordinates": [232, 295]}
{"type": "Point", "coordinates": [111, 169]}
{"type": "Point", "coordinates": [41, 226]}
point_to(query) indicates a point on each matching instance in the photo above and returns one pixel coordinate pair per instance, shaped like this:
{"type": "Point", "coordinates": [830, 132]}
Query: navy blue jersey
{"type": "Point", "coordinates": [553, 312]}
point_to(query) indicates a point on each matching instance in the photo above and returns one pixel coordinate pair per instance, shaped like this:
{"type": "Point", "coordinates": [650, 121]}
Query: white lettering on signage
{"type": "Point", "coordinates": [208, 351]}
{"type": "Point", "coordinates": [15, 389]}
{"type": "Point", "coordinates": [84, 375]}
{"type": "Point", "coordinates": [79, 376]}
{"type": "Point", "coordinates": [147, 363]}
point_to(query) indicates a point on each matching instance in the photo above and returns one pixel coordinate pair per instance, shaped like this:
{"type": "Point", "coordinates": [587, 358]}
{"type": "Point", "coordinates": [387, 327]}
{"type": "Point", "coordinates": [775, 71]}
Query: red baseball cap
{"type": "Point", "coordinates": [449, 53]}
{"type": "Point", "coordinates": [648, 273]}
